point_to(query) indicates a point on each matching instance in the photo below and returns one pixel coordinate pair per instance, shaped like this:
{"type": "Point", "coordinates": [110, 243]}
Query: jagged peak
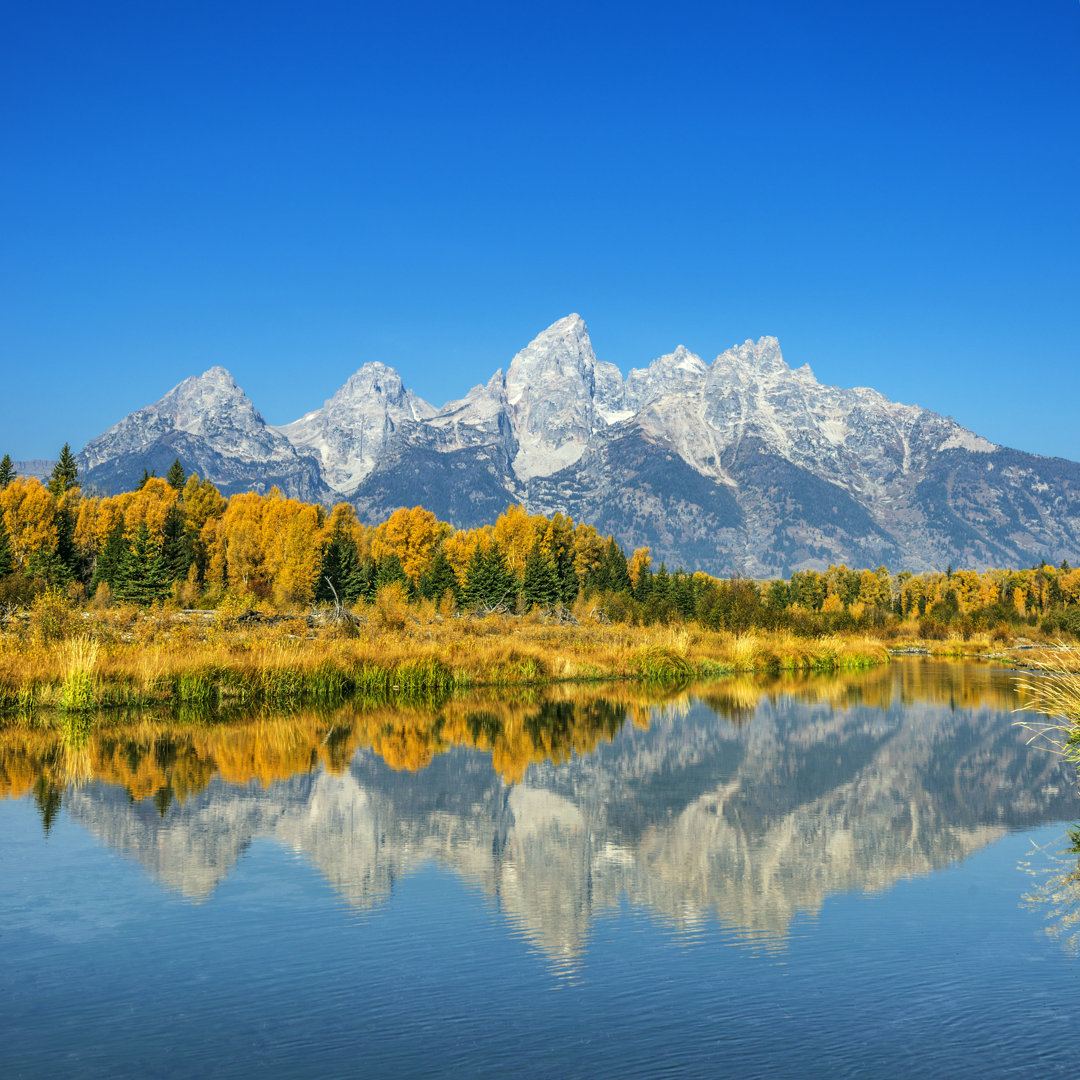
{"type": "Point", "coordinates": [762, 355]}
{"type": "Point", "coordinates": [373, 377]}
{"type": "Point", "coordinates": [216, 376]}
{"type": "Point", "coordinates": [569, 332]}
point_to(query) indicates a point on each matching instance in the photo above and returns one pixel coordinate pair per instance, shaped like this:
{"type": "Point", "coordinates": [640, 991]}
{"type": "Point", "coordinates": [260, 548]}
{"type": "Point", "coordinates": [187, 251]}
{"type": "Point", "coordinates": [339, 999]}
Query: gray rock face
{"type": "Point", "coordinates": [744, 464]}
{"type": "Point", "coordinates": [349, 433]}
{"type": "Point", "coordinates": [211, 426]}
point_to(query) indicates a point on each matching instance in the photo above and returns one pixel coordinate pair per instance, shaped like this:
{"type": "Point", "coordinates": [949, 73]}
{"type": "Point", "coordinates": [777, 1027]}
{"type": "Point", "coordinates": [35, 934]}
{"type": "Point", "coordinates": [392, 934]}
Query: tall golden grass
{"type": "Point", "coordinates": [1053, 689]}
{"type": "Point", "coordinates": [131, 659]}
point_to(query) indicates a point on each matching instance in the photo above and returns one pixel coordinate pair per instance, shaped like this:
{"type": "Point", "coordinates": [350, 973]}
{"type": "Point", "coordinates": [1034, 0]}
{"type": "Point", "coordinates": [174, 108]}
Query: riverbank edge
{"type": "Point", "coordinates": [80, 675]}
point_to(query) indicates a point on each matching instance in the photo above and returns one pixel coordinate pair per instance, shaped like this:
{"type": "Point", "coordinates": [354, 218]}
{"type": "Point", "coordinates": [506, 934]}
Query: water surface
{"type": "Point", "coordinates": [851, 876]}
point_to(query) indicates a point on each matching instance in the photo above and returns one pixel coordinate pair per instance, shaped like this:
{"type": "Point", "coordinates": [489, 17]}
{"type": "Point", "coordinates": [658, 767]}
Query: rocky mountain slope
{"type": "Point", "coordinates": [742, 464]}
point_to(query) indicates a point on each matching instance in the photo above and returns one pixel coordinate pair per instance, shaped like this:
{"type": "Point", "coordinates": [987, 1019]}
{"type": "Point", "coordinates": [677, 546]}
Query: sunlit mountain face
{"type": "Point", "coordinates": [739, 464]}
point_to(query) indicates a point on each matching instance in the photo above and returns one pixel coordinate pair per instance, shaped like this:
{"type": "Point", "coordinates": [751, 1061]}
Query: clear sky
{"type": "Point", "coordinates": [292, 189]}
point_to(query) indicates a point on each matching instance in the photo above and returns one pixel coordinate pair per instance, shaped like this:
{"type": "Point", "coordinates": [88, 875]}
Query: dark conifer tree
{"type": "Point", "coordinates": [661, 584]}
{"type": "Point", "coordinates": [65, 473]}
{"type": "Point", "coordinates": [683, 594]}
{"type": "Point", "coordinates": [177, 546]}
{"type": "Point", "coordinates": [340, 575]}
{"type": "Point", "coordinates": [440, 578]}
{"type": "Point", "coordinates": [644, 585]}
{"type": "Point", "coordinates": [7, 563]}
{"type": "Point", "coordinates": [618, 573]}
{"type": "Point", "coordinates": [176, 477]}
{"type": "Point", "coordinates": [502, 584]}
{"type": "Point", "coordinates": [7, 471]}
{"type": "Point", "coordinates": [109, 558]}
{"type": "Point", "coordinates": [566, 575]}
{"type": "Point", "coordinates": [475, 590]}
{"type": "Point", "coordinates": [389, 569]}
{"type": "Point", "coordinates": [142, 577]}
{"type": "Point", "coordinates": [366, 578]}
{"type": "Point", "coordinates": [540, 586]}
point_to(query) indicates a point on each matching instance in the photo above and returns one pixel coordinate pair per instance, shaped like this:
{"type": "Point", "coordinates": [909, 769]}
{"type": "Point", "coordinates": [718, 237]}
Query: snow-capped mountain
{"type": "Point", "coordinates": [209, 423]}
{"type": "Point", "coordinates": [349, 433]}
{"type": "Point", "coordinates": [742, 464]}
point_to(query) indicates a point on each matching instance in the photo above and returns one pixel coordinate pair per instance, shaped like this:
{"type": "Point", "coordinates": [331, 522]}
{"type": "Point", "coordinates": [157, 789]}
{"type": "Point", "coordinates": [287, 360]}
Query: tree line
{"type": "Point", "coordinates": [178, 538]}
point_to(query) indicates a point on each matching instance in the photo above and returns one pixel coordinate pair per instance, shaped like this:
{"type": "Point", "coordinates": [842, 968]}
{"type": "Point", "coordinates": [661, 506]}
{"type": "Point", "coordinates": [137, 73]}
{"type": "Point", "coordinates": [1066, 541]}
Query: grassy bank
{"type": "Point", "coordinates": [124, 658]}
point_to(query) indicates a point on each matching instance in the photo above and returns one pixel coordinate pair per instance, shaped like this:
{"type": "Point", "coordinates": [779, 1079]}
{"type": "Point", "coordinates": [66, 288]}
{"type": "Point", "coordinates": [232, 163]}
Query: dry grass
{"type": "Point", "coordinates": [1053, 688]}
{"type": "Point", "coordinates": [126, 658]}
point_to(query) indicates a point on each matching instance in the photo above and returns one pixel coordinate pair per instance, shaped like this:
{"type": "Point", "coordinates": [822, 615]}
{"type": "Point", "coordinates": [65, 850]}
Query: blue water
{"type": "Point", "coordinates": [686, 901]}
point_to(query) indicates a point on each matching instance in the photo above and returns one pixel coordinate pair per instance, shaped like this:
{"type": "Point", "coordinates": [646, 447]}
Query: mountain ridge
{"type": "Point", "coordinates": [742, 464]}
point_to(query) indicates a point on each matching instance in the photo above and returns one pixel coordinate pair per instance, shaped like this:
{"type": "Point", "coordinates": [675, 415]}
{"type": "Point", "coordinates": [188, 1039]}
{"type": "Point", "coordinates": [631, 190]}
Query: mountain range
{"type": "Point", "coordinates": [740, 465]}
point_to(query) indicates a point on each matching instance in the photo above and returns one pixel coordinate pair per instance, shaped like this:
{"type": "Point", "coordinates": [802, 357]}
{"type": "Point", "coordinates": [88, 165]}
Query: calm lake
{"type": "Point", "coordinates": [855, 876]}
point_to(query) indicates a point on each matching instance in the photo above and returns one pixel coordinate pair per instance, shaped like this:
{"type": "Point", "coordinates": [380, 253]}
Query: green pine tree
{"type": "Point", "coordinates": [540, 585]}
{"type": "Point", "coordinates": [142, 577]}
{"type": "Point", "coordinates": [475, 591]}
{"type": "Point", "coordinates": [7, 563]}
{"type": "Point", "coordinates": [389, 570]}
{"type": "Point", "coordinates": [177, 545]}
{"type": "Point", "coordinates": [440, 578]}
{"type": "Point", "coordinates": [340, 574]}
{"type": "Point", "coordinates": [7, 471]}
{"type": "Point", "coordinates": [176, 477]}
{"type": "Point", "coordinates": [142, 480]}
{"type": "Point", "coordinates": [661, 584]}
{"type": "Point", "coordinates": [566, 575]}
{"type": "Point", "coordinates": [65, 473]}
{"type": "Point", "coordinates": [107, 565]}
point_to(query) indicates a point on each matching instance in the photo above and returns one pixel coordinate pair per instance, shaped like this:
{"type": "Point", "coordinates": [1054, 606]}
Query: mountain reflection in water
{"type": "Point", "coordinates": [746, 801]}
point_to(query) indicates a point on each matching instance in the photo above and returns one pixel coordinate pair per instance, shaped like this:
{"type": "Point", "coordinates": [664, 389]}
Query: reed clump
{"type": "Point", "coordinates": [1053, 688]}
{"type": "Point", "coordinates": [78, 658]}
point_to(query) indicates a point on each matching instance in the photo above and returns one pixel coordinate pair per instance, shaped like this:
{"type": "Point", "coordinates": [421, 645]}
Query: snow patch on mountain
{"type": "Point", "coordinates": [350, 432]}
{"type": "Point", "coordinates": [210, 406]}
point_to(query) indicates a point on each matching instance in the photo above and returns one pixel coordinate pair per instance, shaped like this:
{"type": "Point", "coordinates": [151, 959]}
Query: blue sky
{"type": "Point", "coordinates": [292, 189]}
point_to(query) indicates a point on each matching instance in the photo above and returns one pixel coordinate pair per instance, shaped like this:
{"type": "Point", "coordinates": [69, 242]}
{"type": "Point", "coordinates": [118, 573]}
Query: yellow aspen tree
{"type": "Point", "coordinates": [639, 565]}
{"type": "Point", "coordinates": [873, 592]}
{"type": "Point", "coordinates": [29, 517]}
{"type": "Point", "coordinates": [242, 526]}
{"type": "Point", "coordinates": [301, 555]}
{"type": "Point", "coordinates": [460, 546]}
{"type": "Point", "coordinates": [514, 533]}
{"type": "Point", "coordinates": [149, 506]}
{"type": "Point", "coordinates": [1069, 584]}
{"type": "Point", "coordinates": [412, 536]}
{"type": "Point", "coordinates": [202, 501]}
{"type": "Point", "coordinates": [588, 550]}
{"type": "Point", "coordinates": [967, 586]}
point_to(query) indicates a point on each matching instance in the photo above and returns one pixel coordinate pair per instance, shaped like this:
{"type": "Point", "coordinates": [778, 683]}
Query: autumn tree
{"type": "Point", "coordinates": [30, 519]}
{"type": "Point", "coordinates": [411, 535]}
